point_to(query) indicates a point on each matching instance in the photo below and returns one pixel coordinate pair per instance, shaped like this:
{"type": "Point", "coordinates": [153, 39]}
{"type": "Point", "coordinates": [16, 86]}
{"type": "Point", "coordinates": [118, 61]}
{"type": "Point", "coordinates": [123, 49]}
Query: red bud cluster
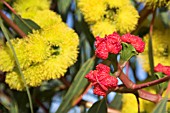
{"type": "Point", "coordinates": [135, 41]}
{"type": "Point", "coordinates": [112, 44]}
{"type": "Point", "coordinates": [163, 69]}
{"type": "Point", "coordinates": [101, 79]}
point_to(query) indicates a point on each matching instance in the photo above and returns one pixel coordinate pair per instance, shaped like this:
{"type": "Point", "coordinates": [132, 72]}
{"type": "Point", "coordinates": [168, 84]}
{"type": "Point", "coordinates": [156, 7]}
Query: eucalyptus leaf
{"type": "Point", "coordinates": [26, 25]}
{"type": "Point", "coordinates": [77, 87]}
{"type": "Point", "coordinates": [116, 103]}
{"type": "Point", "coordinates": [150, 53]}
{"type": "Point", "coordinates": [99, 107]}
{"type": "Point", "coordinates": [63, 5]}
{"type": "Point", "coordinates": [161, 106]}
{"type": "Point", "coordinates": [8, 103]}
{"type": "Point", "coordinates": [127, 52]}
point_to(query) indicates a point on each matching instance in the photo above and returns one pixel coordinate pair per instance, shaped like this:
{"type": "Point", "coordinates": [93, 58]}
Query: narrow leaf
{"type": "Point", "coordinates": [17, 63]}
{"type": "Point", "coordinates": [77, 87]}
{"type": "Point", "coordinates": [116, 103]}
{"type": "Point", "coordinates": [127, 52]}
{"type": "Point", "coordinates": [99, 107]}
{"type": "Point", "coordinates": [161, 106]}
{"type": "Point", "coordinates": [150, 53]}
{"type": "Point", "coordinates": [26, 25]}
{"type": "Point", "coordinates": [63, 5]}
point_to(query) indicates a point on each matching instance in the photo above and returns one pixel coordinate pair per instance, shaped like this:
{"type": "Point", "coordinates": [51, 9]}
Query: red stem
{"type": "Point", "coordinates": [8, 6]}
{"type": "Point", "coordinates": [144, 13]}
{"type": "Point", "coordinates": [12, 24]}
{"type": "Point", "coordinates": [41, 105]}
{"type": "Point", "coordinates": [129, 84]}
{"type": "Point", "coordinates": [151, 83]}
{"type": "Point", "coordinates": [80, 97]}
{"type": "Point", "coordinates": [149, 96]}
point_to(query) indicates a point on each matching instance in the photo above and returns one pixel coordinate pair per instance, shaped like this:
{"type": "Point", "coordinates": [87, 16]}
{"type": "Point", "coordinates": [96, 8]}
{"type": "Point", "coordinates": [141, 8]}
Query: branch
{"type": "Point", "coordinates": [144, 13]}
{"type": "Point", "coordinates": [141, 93]}
{"type": "Point", "coordinates": [12, 24]}
{"type": "Point", "coordinates": [76, 101]}
{"type": "Point", "coordinates": [8, 6]}
{"type": "Point", "coordinates": [130, 85]}
{"type": "Point", "coordinates": [149, 96]}
{"type": "Point", "coordinates": [41, 105]}
{"type": "Point", "coordinates": [151, 83]}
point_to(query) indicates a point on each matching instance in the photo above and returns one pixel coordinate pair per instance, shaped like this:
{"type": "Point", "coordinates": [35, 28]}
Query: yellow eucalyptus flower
{"type": "Point", "coordinates": [6, 62]}
{"type": "Point", "coordinates": [25, 5]}
{"type": "Point", "coordinates": [125, 22]}
{"type": "Point", "coordinates": [93, 10]}
{"type": "Point", "coordinates": [120, 16]}
{"type": "Point", "coordinates": [37, 48]}
{"type": "Point", "coordinates": [38, 11]}
{"type": "Point", "coordinates": [43, 18]}
{"type": "Point", "coordinates": [49, 52]}
{"type": "Point", "coordinates": [161, 49]}
{"type": "Point", "coordinates": [155, 3]}
{"type": "Point", "coordinates": [118, 3]}
{"type": "Point", "coordinates": [100, 29]}
{"type": "Point", "coordinates": [14, 80]}
{"type": "Point", "coordinates": [43, 55]}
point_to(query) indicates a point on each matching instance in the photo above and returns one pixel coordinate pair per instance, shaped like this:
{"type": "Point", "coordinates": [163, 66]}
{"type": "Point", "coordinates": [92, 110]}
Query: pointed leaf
{"type": "Point", "coordinates": [116, 103]}
{"type": "Point", "coordinates": [26, 25]}
{"type": "Point", "coordinates": [161, 106]}
{"type": "Point", "coordinates": [99, 107]}
{"type": "Point", "coordinates": [127, 52]}
{"type": "Point", "coordinates": [63, 5]}
{"type": "Point", "coordinates": [151, 61]}
{"type": "Point", "coordinates": [77, 87]}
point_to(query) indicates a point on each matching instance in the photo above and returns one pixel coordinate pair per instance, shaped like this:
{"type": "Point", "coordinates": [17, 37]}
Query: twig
{"type": "Point", "coordinates": [41, 105]}
{"type": "Point", "coordinates": [65, 82]}
{"type": "Point", "coordinates": [129, 84]}
{"type": "Point", "coordinates": [80, 97]}
{"type": "Point", "coordinates": [8, 6]}
{"type": "Point", "coordinates": [12, 24]}
{"type": "Point", "coordinates": [144, 13]}
{"type": "Point", "coordinates": [149, 96]}
{"type": "Point", "coordinates": [137, 98]}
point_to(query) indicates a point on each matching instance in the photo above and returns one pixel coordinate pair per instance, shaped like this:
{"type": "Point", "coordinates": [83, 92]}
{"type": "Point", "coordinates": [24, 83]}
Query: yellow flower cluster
{"type": "Point", "coordinates": [107, 16]}
{"type": "Point", "coordinates": [161, 49]}
{"type": "Point", "coordinates": [39, 13]}
{"type": "Point", "coordinates": [156, 3]}
{"type": "Point", "coordinates": [43, 55]}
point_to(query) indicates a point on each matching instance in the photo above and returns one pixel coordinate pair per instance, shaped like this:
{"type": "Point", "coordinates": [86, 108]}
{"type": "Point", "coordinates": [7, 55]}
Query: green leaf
{"type": "Point", "coordinates": [77, 87]}
{"type": "Point", "coordinates": [164, 16]}
{"type": "Point", "coordinates": [150, 53]}
{"type": "Point", "coordinates": [17, 63]}
{"type": "Point", "coordinates": [63, 5]}
{"type": "Point", "coordinates": [99, 107]}
{"type": "Point", "coordinates": [26, 25]}
{"type": "Point", "coordinates": [161, 106]}
{"type": "Point", "coordinates": [116, 103]}
{"type": "Point", "coordinates": [8, 103]}
{"type": "Point", "coordinates": [127, 52]}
